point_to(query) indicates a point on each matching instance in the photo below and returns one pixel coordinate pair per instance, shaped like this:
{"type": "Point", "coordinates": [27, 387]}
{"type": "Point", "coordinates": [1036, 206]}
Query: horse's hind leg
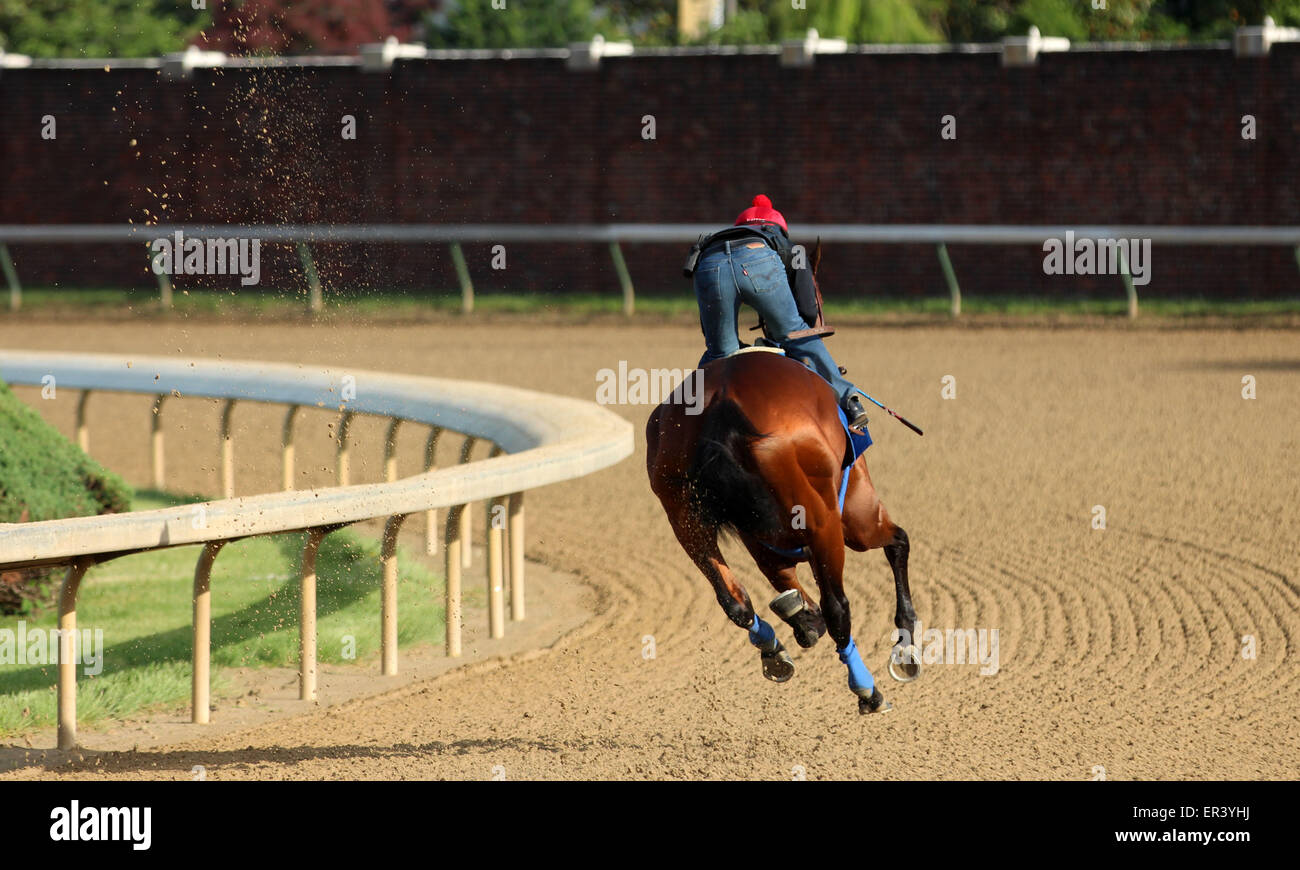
{"type": "Point", "coordinates": [702, 546]}
{"type": "Point", "coordinates": [867, 526]}
{"type": "Point", "coordinates": [828, 568]}
{"type": "Point", "coordinates": [804, 617]}
{"type": "Point", "coordinates": [905, 659]}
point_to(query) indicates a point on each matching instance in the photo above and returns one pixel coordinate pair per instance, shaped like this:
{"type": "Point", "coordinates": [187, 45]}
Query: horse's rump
{"type": "Point", "coordinates": [765, 419]}
{"type": "Point", "coordinates": [726, 489]}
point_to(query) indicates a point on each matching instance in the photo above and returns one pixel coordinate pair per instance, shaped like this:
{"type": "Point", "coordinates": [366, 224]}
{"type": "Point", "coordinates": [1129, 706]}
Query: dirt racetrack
{"type": "Point", "coordinates": [1119, 648]}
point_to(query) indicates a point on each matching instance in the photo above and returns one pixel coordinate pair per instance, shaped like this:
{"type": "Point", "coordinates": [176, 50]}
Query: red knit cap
{"type": "Point", "coordinates": [762, 211]}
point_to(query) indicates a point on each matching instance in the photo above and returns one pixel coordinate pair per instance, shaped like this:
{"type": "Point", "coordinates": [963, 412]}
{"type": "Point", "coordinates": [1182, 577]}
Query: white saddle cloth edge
{"type": "Point", "coordinates": [754, 348]}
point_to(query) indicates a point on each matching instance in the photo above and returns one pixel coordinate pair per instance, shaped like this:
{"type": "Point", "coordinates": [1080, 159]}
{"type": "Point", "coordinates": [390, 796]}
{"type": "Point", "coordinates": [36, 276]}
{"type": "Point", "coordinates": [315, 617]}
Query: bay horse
{"type": "Point", "coordinates": [759, 453]}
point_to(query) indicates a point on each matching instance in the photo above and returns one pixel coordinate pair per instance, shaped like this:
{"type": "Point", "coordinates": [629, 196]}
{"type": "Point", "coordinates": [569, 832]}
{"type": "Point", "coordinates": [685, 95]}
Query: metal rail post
{"type": "Point", "coordinates": [949, 275]}
{"type": "Point", "coordinates": [624, 278]}
{"type": "Point", "coordinates": [516, 520]}
{"type": "Point", "coordinates": [227, 451]}
{"type": "Point", "coordinates": [495, 568]}
{"type": "Point", "coordinates": [201, 678]}
{"type": "Point", "coordinates": [287, 449]}
{"type": "Point", "coordinates": [452, 561]}
{"type": "Point", "coordinates": [11, 277]}
{"type": "Point", "coordinates": [431, 515]}
{"type": "Point", "coordinates": [307, 616]}
{"type": "Point", "coordinates": [83, 429]}
{"type": "Point", "coordinates": [1128, 284]}
{"type": "Point", "coordinates": [67, 661]}
{"type": "Point", "coordinates": [156, 438]}
{"type": "Point", "coordinates": [466, 515]}
{"type": "Point", "coordinates": [390, 450]}
{"type": "Point", "coordinates": [462, 274]}
{"type": "Point", "coordinates": [388, 605]}
{"type": "Point", "coordinates": [315, 300]}
{"type": "Point", "coordinates": [344, 470]}
{"type": "Point", "coordinates": [164, 281]}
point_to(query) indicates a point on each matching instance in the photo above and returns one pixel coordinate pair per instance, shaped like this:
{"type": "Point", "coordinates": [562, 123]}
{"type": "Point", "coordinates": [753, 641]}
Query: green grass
{"type": "Point", "coordinates": [142, 604]}
{"type": "Point", "coordinates": [1021, 306]}
{"type": "Point", "coordinates": [387, 304]}
{"type": "Point", "coordinates": [408, 305]}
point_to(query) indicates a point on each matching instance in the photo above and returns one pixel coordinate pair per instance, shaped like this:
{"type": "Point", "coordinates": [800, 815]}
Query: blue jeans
{"type": "Point", "coordinates": [737, 273]}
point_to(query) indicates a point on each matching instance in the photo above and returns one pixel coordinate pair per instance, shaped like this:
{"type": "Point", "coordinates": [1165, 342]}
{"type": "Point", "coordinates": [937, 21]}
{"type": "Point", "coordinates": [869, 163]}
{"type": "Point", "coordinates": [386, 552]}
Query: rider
{"type": "Point", "coordinates": [751, 263]}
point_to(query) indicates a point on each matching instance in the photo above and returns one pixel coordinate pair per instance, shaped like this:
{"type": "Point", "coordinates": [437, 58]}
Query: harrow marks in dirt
{"type": "Point", "coordinates": [1119, 650]}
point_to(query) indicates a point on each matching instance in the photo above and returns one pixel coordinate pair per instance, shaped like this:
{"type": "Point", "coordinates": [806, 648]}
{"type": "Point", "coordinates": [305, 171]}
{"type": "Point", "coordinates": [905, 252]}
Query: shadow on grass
{"type": "Point", "coordinates": [347, 570]}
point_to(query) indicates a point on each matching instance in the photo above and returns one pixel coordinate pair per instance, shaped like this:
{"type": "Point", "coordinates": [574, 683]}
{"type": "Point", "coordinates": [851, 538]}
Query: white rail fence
{"type": "Point", "coordinates": [537, 439]}
{"type": "Point", "coordinates": [454, 235]}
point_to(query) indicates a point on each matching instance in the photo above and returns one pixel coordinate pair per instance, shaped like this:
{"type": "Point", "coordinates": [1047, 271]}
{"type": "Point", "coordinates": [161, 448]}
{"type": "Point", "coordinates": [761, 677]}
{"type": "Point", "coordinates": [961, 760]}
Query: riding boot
{"type": "Point", "coordinates": [855, 412]}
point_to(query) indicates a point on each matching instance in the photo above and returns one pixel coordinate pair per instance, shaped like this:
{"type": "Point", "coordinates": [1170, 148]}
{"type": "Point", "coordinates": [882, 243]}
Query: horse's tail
{"type": "Point", "coordinates": [727, 492]}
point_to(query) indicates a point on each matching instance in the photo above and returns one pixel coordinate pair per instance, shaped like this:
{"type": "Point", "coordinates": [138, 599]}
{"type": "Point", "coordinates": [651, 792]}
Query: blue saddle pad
{"type": "Point", "coordinates": [858, 445]}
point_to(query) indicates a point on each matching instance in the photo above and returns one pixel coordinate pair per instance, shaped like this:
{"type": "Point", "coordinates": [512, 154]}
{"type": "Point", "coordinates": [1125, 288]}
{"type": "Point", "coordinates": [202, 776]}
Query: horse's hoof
{"type": "Point", "coordinates": [807, 624]}
{"type": "Point", "coordinates": [905, 663]}
{"type": "Point", "coordinates": [807, 636]}
{"type": "Point", "coordinates": [808, 628]}
{"type": "Point", "coordinates": [777, 666]}
{"type": "Point", "coordinates": [874, 703]}
{"type": "Point", "coordinates": [787, 604]}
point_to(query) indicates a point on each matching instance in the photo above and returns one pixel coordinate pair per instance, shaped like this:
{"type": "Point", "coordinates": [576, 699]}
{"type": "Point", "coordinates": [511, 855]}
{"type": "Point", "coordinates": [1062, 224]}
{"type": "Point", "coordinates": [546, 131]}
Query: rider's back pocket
{"type": "Point", "coordinates": [762, 275]}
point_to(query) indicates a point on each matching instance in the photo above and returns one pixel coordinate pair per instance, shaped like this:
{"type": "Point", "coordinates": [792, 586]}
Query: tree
{"type": "Point", "coordinates": [143, 28]}
{"type": "Point", "coordinates": [645, 22]}
{"type": "Point", "coordinates": [975, 20]}
{"type": "Point", "coordinates": [510, 24]}
{"type": "Point", "coordinates": [295, 26]}
{"type": "Point", "coordinates": [894, 21]}
{"type": "Point", "coordinates": [97, 28]}
{"type": "Point", "coordinates": [1216, 19]}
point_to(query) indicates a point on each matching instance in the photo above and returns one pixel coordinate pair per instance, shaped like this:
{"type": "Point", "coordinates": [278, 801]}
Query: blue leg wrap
{"type": "Point", "coordinates": [762, 636]}
{"type": "Point", "coordinates": [860, 680]}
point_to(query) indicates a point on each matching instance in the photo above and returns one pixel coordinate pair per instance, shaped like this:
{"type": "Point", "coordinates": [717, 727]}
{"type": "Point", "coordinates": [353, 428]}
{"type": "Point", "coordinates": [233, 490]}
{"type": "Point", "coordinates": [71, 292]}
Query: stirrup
{"type": "Point", "coordinates": [855, 413]}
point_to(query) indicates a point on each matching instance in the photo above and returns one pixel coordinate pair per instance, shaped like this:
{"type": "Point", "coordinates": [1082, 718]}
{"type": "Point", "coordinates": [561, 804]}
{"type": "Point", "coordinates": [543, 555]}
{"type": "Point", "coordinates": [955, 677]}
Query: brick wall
{"type": "Point", "coordinates": [1084, 137]}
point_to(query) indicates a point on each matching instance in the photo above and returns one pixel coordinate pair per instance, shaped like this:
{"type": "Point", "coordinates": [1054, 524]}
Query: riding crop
{"type": "Point", "coordinates": [890, 411]}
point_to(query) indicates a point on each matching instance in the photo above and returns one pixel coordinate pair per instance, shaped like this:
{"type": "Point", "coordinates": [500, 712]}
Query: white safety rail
{"type": "Point", "coordinates": [538, 439]}
{"type": "Point", "coordinates": [966, 234]}
{"type": "Point", "coordinates": [454, 235]}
